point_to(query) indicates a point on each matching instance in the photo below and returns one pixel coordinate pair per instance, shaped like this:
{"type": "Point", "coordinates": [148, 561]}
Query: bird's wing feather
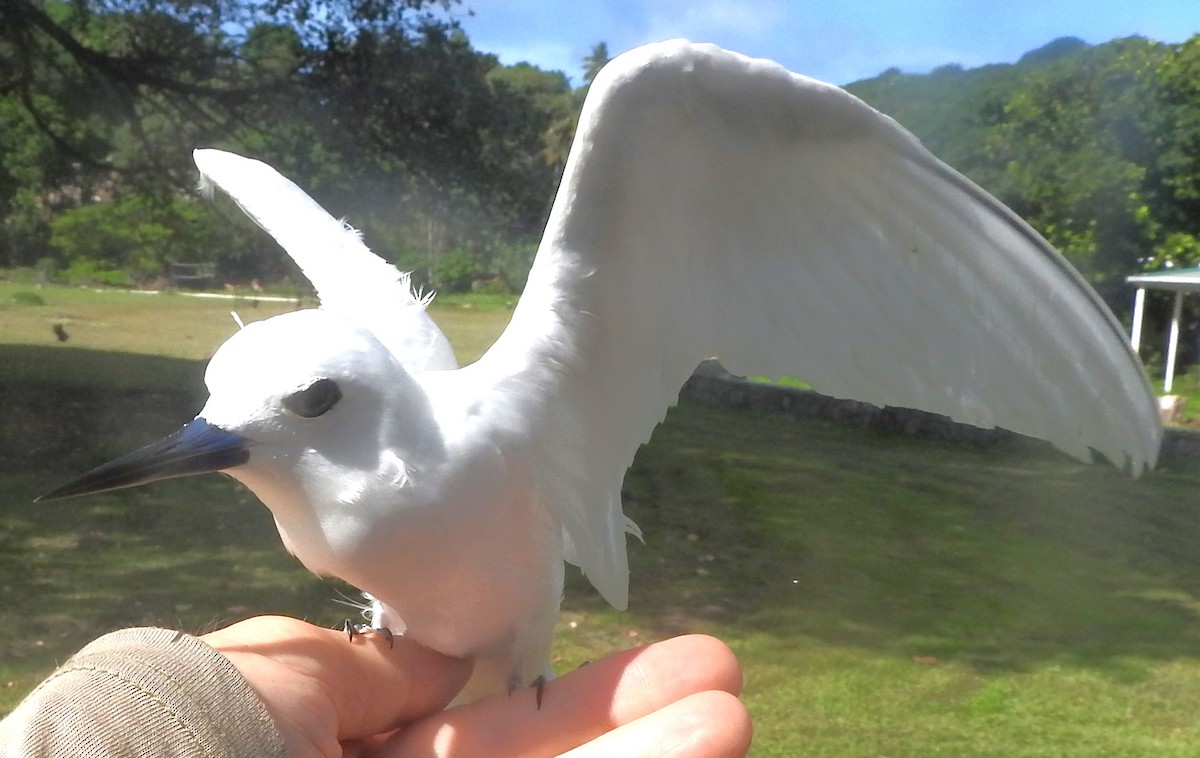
{"type": "Point", "coordinates": [718, 205]}
{"type": "Point", "coordinates": [350, 280]}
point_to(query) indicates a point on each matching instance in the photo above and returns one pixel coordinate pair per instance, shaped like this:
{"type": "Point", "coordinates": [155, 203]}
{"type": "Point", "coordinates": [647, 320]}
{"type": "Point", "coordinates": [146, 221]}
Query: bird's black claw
{"type": "Point", "coordinates": [353, 630]}
{"type": "Point", "coordinates": [387, 635]}
{"type": "Point", "coordinates": [539, 686]}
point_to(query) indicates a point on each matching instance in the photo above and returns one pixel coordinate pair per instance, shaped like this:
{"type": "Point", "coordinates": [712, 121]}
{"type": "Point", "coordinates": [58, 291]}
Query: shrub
{"type": "Point", "coordinates": [492, 285]}
{"type": "Point", "coordinates": [512, 262]}
{"type": "Point", "coordinates": [137, 235]}
{"type": "Point", "coordinates": [87, 273]}
{"type": "Point", "coordinates": [455, 271]}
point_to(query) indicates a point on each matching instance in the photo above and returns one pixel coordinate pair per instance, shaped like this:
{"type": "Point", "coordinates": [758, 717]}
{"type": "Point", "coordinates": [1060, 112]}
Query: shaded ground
{"type": "Point", "coordinates": [887, 595]}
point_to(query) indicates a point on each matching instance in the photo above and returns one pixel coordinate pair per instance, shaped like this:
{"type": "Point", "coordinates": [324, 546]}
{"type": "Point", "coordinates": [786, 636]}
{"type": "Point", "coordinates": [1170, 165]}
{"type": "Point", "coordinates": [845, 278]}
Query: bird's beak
{"type": "Point", "coordinates": [196, 448]}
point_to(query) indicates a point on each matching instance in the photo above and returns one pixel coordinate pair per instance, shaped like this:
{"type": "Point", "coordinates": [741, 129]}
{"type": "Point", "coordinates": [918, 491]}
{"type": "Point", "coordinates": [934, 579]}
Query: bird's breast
{"type": "Point", "coordinates": [463, 552]}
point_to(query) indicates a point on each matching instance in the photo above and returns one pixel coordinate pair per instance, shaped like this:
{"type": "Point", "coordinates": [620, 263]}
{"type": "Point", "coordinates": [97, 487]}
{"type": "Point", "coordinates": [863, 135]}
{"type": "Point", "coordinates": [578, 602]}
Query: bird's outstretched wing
{"type": "Point", "coordinates": [719, 205]}
{"type": "Point", "coordinates": [350, 280]}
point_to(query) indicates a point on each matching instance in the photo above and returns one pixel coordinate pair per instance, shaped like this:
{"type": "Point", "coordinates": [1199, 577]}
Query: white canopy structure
{"type": "Point", "coordinates": [1179, 281]}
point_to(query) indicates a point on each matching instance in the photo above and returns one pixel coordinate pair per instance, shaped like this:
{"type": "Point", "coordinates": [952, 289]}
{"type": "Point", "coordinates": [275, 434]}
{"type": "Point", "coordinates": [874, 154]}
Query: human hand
{"type": "Point", "coordinates": [329, 697]}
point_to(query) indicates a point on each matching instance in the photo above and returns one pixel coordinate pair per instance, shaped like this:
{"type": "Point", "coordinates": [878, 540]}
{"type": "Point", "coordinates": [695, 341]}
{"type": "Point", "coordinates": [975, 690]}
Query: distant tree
{"type": "Point", "coordinates": [560, 135]}
{"type": "Point", "coordinates": [1097, 146]}
{"type": "Point", "coordinates": [952, 112]}
{"type": "Point", "coordinates": [378, 107]}
{"type": "Point", "coordinates": [1176, 170]}
{"type": "Point", "coordinates": [137, 234]}
{"type": "Point", "coordinates": [444, 146]}
{"type": "Point", "coordinates": [101, 99]}
{"type": "Point", "coordinates": [949, 69]}
{"type": "Point", "coordinates": [1075, 145]}
{"type": "Point", "coordinates": [565, 109]}
{"type": "Point", "coordinates": [594, 61]}
{"type": "Point", "coordinates": [1054, 50]}
{"type": "Point", "coordinates": [550, 93]}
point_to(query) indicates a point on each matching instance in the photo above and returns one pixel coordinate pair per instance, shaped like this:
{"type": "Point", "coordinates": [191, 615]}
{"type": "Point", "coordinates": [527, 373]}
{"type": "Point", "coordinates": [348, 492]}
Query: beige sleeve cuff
{"type": "Point", "coordinates": [143, 692]}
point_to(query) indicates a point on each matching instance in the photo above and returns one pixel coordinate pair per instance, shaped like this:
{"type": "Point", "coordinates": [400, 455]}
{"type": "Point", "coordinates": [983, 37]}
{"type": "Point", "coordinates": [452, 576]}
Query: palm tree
{"type": "Point", "coordinates": [595, 61]}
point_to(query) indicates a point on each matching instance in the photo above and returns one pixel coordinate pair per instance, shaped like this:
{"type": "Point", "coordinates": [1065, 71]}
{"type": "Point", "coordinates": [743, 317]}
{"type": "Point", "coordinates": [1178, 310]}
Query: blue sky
{"type": "Point", "coordinates": [839, 42]}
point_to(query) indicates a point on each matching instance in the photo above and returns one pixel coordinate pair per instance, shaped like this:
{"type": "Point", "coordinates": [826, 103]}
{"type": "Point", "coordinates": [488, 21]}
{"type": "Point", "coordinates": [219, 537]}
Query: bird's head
{"type": "Point", "coordinates": [306, 394]}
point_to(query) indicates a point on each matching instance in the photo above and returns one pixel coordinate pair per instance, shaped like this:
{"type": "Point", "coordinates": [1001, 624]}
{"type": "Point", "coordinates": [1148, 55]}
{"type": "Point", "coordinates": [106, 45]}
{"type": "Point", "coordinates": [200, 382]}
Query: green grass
{"type": "Point", "coordinates": [174, 325]}
{"type": "Point", "coordinates": [886, 595]}
{"type": "Point", "coordinates": [1187, 385]}
{"type": "Point", "coordinates": [170, 325]}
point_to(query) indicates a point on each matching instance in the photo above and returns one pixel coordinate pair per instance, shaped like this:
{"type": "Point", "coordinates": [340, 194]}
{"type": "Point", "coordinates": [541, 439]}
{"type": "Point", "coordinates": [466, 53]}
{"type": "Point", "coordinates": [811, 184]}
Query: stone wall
{"type": "Point", "coordinates": [712, 384]}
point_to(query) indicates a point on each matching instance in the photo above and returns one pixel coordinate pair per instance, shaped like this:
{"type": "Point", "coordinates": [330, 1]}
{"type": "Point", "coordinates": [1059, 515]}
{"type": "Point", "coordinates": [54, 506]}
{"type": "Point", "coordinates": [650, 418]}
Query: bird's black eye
{"type": "Point", "coordinates": [313, 400]}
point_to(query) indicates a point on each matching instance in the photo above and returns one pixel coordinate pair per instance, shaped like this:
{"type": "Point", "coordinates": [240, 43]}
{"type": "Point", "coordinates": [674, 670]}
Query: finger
{"type": "Point", "coordinates": [581, 705]}
{"type": "Point", "coordinates": [312, 674]}
{"type": "Point", "coordinates": [711, 724]}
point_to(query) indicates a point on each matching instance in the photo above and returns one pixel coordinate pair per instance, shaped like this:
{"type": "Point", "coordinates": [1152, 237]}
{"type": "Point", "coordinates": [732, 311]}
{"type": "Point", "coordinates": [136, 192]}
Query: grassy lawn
{"type": "Point", "coordinates": [888, 596]}
{"type": "Point", "coordinates": [1187, 385]}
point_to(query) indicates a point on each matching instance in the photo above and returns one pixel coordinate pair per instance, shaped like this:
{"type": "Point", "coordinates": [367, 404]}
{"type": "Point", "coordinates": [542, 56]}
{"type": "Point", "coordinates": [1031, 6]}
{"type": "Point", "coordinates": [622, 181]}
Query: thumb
{"type": "Point", "coordinates": [321, 688]}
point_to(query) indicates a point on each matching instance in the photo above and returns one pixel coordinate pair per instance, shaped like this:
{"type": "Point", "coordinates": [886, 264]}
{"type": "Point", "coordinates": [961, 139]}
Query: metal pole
{"type": "Point", "coordinates": [1139, 309]}
{"type": "Point", "coordinates": [1173, 343]}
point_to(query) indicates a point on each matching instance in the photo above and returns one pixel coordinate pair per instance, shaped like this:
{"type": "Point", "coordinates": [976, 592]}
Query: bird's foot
{"type": "Point", "coordinates": [538, 684]}
{"type": "Point", "coordinates": [353, 630]}
{"type": "Point", "coordinates": [539, 687]}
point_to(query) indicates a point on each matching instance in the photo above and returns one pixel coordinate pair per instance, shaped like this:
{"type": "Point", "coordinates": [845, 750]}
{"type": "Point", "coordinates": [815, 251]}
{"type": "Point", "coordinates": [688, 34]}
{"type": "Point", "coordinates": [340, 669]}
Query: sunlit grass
{"type": "Point", "coordinates": [175, 325]}
{"type": "Point", "coordinates": [170, 325]}
{"type": "Point", "coordinates": [1185, 384]}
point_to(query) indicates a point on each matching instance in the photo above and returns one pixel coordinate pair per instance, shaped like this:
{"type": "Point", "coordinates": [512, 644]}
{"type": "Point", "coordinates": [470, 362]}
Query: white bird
{"type": "Point", "coordinates": [712, 205]}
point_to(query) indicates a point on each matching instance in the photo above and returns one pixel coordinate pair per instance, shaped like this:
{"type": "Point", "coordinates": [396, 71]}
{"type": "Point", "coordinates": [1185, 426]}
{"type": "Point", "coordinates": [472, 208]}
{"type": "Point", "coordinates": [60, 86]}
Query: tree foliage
{"type": "Point", "coordinates": [1074, 147]}
{"type": "Point", "coordinates": [379, 106]}
{"type": "Point", "coordinates": [595, 61]}
{"type": "Point", "coordinates": [448, 160]}
{"type": "Point", "coordinates": [1098, 147]}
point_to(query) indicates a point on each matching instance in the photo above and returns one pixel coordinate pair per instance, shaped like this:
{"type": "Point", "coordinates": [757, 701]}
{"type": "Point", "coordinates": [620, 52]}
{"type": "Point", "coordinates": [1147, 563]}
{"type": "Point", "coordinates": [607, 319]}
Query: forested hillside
{"type": "Point", "coordinates": [448, 160]}
{"type": "Point", "coordinates": [1097, 146]}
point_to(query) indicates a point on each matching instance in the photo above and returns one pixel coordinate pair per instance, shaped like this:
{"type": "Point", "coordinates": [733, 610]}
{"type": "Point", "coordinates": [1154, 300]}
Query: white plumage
{"type": "Point", "coordinates": [348, 277]}
{"type": "Point", "coordinates": [712, 205]}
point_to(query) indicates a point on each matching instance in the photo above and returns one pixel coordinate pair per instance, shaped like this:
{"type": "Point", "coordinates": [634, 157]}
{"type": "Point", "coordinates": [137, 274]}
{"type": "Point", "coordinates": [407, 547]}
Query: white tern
{"type": "Point", "coordinates": [712, 205]}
